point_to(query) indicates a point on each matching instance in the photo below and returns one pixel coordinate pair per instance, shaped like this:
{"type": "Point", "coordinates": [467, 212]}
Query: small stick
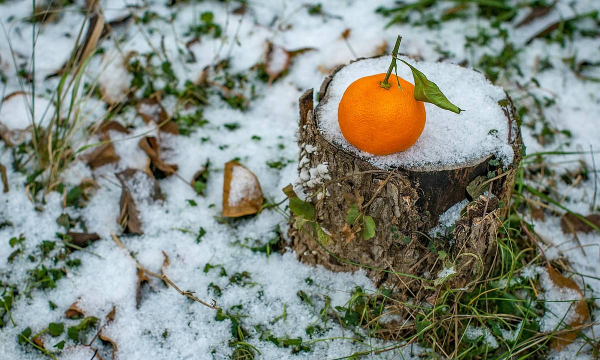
{"type": "Point", "coordinates": [187, 293]}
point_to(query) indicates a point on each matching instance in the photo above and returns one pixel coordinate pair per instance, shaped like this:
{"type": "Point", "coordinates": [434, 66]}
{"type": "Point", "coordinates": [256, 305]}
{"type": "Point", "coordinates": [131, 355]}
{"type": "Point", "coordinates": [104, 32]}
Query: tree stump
{"type": "Point", "coordinates": [406, 203]}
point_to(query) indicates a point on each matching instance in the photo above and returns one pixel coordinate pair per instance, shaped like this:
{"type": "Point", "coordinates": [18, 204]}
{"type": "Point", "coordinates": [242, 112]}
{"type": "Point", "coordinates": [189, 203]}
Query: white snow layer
{"type": "Point", "coordinates": [243, 185]}
{"type": "Point", "coordinates": [448, 139]}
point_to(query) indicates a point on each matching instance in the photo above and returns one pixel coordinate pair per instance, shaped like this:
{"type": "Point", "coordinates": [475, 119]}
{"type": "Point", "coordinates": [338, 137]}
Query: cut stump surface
{"type": "Point", "coordinates": [406, 204]}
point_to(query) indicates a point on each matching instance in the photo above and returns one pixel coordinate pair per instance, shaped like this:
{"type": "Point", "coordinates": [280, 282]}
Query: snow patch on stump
{"type": "Point", "coordinates": [449, 139]}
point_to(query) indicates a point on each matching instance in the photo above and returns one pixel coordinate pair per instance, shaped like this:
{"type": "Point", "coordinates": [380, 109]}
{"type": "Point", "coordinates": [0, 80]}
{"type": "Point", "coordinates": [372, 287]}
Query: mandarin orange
{"type": "Point", "coordinates": [381, 121]}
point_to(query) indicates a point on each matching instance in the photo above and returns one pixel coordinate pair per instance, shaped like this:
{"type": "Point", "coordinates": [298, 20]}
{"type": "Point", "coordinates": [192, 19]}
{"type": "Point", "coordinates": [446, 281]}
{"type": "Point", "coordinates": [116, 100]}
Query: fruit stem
{"type": "Point", "coordinates": [385, 84]}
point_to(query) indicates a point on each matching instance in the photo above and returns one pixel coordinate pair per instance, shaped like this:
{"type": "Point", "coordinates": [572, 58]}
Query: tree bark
{"type": "Point", "coordinates": [405, 204]}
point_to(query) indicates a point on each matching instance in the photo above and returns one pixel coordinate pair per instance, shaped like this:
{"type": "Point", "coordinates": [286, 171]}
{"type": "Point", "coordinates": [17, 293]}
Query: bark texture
{"type": "Point", "coordinates": [405, 204]}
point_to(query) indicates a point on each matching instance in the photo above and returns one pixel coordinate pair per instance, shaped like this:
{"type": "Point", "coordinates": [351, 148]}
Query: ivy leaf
{"type": "Point", "coordinates": [353, 214]}
{"type": "Point", "coordinates": [368, 230]}
{"type": "Point", "coordinates": [56, 329]}
{"type": "Point", "coordinates": [299, 207]}
{"type": "Point", "coordinates": [428, 91]}
{"type": "Point", "coordinates": [302, 208]}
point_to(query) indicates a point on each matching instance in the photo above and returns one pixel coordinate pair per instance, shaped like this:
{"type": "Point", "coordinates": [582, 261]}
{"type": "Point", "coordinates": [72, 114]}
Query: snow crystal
{"type": "Point", "coordinates": [243, 185]}
{"type": "Point", "coordinates": [449, 140]}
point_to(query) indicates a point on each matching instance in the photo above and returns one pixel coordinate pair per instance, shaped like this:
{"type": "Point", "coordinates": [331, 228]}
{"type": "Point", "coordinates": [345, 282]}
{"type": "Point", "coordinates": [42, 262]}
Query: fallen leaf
{"type": "Point", "coordinates": [242, 194]}
{"type": "Point", "coordinates": [107, 339]}
{"type": "Point", "coordinates": [278, 60]}
{"type": "Point", "coordinates": [537, 213]}
{"type": "Point", "coordinates": [94, 30]}
{"type": "Point", "coordinates": [157, 167]}
{"type": "Point", "coordinates": [571, 224]}
{"type": "Point", "coordinates": [129, 215]}
{"type": "Point", "coordinates": [346, 33]}
{"type": "Point", "coordinates": [39, 342]}
{"type": "Point", "coordinates": [105, 153]}
{"type": "Point", "coordinates": [110, 317]}
{"type": "Point", "coordinates": [112, 126]}
{"type": "Point", "coordinates": [164, 266]}
{"type": "Point", "coordinates": [142, 279]}
{"type": "Point", "coordinates": [381, 49]}
{"type": "Point", "coordinates": [580, 308]}
{"type": "Point", "coordinates": [535, 13]}
{"type": "Point", "coordinates": [4, 177]}
{"type": "Point", "coordinates": [82, 240]}
{"type": "Point", "coordinates": [74, 312]}
{"type": "Point", "coordinates": [241, 10]}
{"type": "Point", "coordinates": [151, 110]}
{"type": "Point", "coordinates": [349, 233]}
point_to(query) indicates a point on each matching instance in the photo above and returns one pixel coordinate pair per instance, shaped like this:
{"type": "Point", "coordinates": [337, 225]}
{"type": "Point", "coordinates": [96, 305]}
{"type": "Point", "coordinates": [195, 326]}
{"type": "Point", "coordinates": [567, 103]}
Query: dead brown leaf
{"type": "Point", "coordinates": [157, 166]}
{"type": "Point", "coordinates": [110, 317]}
{"type": "Point", "coordinates": [534, 13]}
{"type": "Point", "coordinates": [74, 312]}
{"type": "Point", "coordinates": [4, 177]}
{"type": "Point", "coordinates": [113, 343]}
{"type": "Point", "coordinates": [105, 153]}
{"type": "Point", "coordinates": [95, 29]}
{"type": "Point", "coordinates": [349, 233]}
{"type": "Point", "coordinates": [278, 60]}
{"type": "Point", "coordinates": [142, 279]}
{"type": "Point", "coordinates": [129, 215]}
{"type": "Point", "coordinates": [112, 126]}
{"type": "Point", "coordinates": [242, 194]}
{"type": "Point", "coordinates": [565, 338]}
{"type": "Point", "coordinates": [164, 266]}
{"type": "Point", "coordinates": [346, 33]}
{"type": "Point", "coordinates": [151, 110]}
{"type": "Point", "coordinates": [571, 224]}
{"type": "Point", "coordinates": [82, 240]}
{"type": "Point", "coordinates": [241, 10]}
{"type": "Point", "coordinates": [537, 213]}
{"type": "Point", "coordinates": [39, 342]}
{"type": "Point", "coordinates": [381, 50]}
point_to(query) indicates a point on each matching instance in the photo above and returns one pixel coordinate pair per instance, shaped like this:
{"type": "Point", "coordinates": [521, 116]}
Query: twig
{"type": "Point", "coordinates": [187, 293]}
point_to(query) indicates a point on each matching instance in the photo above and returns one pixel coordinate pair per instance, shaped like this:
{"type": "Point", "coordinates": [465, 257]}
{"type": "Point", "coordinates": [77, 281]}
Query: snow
{"type": "Point", "coordinates": [449, 140]}
{"type": "Point", "coordinates": [115, 80]}
{"type": "Point", "coordinates": [277, 60]}
{"type": "Point", "coordinates": [474, 333]}
{"type": "Point", "coordinates": [448, 218]}
{"type": "Point", "coordinates": [243, 185]}
{"type": "Point", "coordinates": [16, 112]}
{"type": "Point", "coordinates": [168, 325]}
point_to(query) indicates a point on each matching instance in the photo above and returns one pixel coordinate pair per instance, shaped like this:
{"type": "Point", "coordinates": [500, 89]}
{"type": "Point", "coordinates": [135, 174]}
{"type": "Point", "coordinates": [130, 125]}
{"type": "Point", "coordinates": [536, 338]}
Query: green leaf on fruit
{"type": "Point", "coordinates": [428, 91]}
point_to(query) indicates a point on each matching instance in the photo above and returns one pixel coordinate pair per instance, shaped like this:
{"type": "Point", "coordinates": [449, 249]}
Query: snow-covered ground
{"type": "Point", "coordinates": [214, 258]}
